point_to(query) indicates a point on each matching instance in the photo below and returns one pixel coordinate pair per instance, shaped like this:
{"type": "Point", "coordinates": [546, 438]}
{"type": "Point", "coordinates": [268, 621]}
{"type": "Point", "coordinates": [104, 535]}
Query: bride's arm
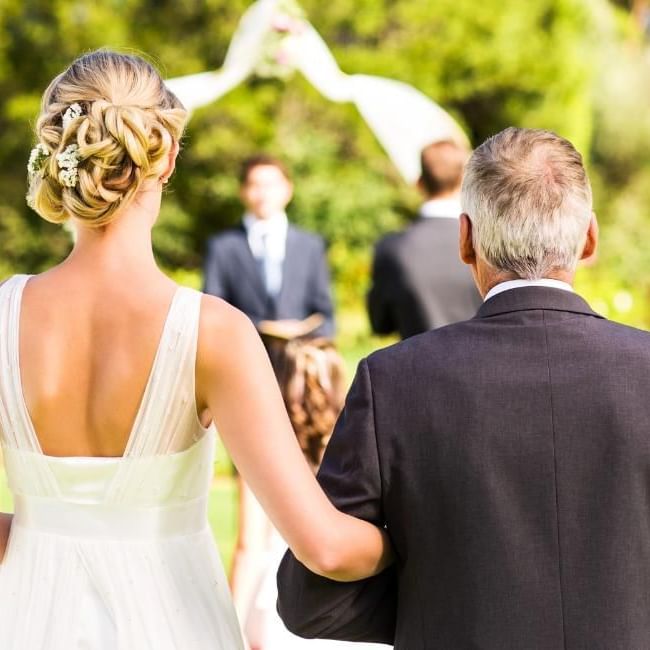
{"type": "Point", "coordinates": [5, 529]}
{"type": "Point", "coordinates": [236, 382]}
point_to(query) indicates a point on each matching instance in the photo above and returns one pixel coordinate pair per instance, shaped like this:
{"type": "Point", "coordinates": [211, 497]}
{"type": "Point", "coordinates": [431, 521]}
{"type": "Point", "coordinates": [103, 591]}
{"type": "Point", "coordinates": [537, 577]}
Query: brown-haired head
{"type": "Point", "coordinates": [442, 166]}
{"type": "Point", "coordinates": [127, 125]}
{"type": "Point", "coordinates": [311, 375]}
{"type": "Point", "coordinates": [261, 160]}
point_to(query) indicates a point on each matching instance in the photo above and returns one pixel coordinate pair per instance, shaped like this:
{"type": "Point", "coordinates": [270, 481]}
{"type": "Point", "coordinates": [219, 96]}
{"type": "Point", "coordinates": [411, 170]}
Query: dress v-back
{"type": "Point", "coordinates": [114, 553]}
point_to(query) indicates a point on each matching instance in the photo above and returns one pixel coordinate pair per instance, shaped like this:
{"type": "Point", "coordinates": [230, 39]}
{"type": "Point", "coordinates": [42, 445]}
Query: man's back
{"type": "Point", "coordinates": [419, 281]}
{"type": "Point", "coordinates": [509, 457]}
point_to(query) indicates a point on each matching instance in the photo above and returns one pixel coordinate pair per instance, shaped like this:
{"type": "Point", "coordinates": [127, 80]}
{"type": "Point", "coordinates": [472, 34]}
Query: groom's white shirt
{"type": "Point", "coordinates": [516, 284]}
{"type": "Point", "coordinates": [267, 239]}
{"type": "Point", "coordinates": [441, 209]}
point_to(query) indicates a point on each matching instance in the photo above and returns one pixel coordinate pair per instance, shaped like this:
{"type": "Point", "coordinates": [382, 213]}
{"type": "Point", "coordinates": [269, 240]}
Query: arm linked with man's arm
{"type": "Point", "coordinates": [365, 610]}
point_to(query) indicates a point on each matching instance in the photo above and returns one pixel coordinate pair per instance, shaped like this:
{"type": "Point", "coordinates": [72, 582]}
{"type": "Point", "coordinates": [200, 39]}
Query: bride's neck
{"type": "Point", "coordinates": [123, 246]}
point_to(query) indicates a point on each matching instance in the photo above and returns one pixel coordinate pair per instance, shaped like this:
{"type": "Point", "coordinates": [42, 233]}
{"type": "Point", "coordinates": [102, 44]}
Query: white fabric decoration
{"type": "Point", "coordinates": [273, 39]}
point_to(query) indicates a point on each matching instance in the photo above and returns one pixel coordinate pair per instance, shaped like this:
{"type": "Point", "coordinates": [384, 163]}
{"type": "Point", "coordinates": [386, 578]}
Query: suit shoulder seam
{"type": "Point", "coordinates": [557, 500]}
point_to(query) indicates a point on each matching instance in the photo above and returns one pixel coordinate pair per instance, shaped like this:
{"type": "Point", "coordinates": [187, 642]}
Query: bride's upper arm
{"type": "Point", "coordinates": [237, 384]}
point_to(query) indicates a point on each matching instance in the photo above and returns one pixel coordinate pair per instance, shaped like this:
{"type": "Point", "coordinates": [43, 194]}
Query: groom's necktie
{"type": "Point", "coordinates": [271, 267]}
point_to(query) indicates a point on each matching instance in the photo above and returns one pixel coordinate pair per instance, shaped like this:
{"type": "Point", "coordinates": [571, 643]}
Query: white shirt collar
{"type": "Point", "coordinates": [441, 208]}
{"type": "Point", "coordinates": [267, 237]}
{"type": "Point", "coordinates": [276, 222]}
{"type": "Point", "coordinates": [516, 284]}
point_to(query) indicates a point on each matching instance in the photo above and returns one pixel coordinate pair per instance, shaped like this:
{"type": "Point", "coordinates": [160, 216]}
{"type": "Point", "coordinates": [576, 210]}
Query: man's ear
{"type": "Point", "coordinates": [591, 242]}
{"type": "Point", "coordinates": [465, 242]}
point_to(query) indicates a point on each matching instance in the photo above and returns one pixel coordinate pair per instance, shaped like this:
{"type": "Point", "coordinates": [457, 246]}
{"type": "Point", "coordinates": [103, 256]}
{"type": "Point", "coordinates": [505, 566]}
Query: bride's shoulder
{"type": "Point", "coordinates": [227, 338]}
{"type": "Point", "coordinates": [221, 322]}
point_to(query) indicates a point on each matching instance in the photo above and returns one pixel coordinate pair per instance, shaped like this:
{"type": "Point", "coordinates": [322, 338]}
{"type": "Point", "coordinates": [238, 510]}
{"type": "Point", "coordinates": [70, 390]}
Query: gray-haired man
{"type": "Point", "coordinates": [508, 455]}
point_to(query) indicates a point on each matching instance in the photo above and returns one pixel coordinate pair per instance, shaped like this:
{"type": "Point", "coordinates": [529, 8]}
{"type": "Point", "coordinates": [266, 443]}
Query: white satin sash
{"type": "Point", "coordinates": [109, 521]}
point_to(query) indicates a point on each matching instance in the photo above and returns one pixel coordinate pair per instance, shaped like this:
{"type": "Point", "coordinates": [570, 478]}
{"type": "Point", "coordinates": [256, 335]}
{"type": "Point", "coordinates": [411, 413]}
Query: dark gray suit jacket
{"type": "Point", "coordinates": [231, 272]}
{"type": "Point", "coordinates": [509, 457]}
{"type": "Point", "coordinates": [419, 281]}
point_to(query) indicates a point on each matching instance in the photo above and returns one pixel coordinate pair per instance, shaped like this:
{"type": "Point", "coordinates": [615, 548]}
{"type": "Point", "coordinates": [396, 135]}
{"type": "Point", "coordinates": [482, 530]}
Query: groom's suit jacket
{"type": "Point", "coordinates": [509, 458]}
{"type": "Point", "coordinates": [418, 280]}
{"type": "Point", "coordinates": [232, 273]}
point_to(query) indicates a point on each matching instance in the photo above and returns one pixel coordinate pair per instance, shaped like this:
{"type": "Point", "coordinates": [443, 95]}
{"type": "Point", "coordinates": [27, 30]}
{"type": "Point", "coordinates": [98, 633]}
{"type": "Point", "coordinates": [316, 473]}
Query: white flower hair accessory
{"type": "Point", "coordinates": [37, 157]}
{"type": "Point", "coordinates": [68, 161]}
{"type": "Point", "coordinates": [72, 112]}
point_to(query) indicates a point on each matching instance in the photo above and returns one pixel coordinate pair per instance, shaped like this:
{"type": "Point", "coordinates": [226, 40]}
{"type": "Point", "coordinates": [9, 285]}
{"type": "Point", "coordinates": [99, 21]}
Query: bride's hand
{"type": "Point", "coordinates": [5, 529]}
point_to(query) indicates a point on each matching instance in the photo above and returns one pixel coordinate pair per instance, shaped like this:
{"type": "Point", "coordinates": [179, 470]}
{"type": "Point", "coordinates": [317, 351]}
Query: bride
{"type": "Point", "coordinates": [110, 378]}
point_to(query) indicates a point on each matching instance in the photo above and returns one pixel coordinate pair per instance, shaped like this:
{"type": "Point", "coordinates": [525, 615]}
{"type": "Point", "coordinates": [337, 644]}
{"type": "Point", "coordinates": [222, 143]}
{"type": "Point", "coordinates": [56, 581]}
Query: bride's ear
{"type": "Point", "coordinates": [171, 162]}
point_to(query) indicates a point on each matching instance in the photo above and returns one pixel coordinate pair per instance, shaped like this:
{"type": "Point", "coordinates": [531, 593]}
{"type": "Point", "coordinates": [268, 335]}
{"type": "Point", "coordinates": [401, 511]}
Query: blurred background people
{"type": "Point", "coordinates": [418, 280]}
{"type": "Point", "coordinates": [300, 366]}
{"type": "Point", "coordinates": [266, 267]}
{"type": "Point", "coordinates": [278, 275]}
{"type": "Point", "coordinates": [311, 374]}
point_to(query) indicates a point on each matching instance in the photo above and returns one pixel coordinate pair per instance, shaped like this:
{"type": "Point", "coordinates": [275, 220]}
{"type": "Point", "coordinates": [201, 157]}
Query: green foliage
{"type": "Point", "coordinates": [492, 63]}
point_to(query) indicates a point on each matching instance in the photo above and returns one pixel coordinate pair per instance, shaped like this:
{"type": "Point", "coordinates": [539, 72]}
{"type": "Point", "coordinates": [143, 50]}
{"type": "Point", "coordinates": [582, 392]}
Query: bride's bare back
{"type": "Point", "coordinates": [86, 350]}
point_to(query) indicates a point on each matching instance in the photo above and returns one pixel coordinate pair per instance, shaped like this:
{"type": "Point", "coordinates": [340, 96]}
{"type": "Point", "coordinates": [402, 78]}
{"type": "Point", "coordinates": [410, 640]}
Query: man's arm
{"type": "Point", "coordinates": [315, 607]}
{"type": "Point", "coordinates": [379, 300]}
{"type": "Point", "coordinates": [321, 293]}
{"type": "Point", "coordinates": [213, 280]}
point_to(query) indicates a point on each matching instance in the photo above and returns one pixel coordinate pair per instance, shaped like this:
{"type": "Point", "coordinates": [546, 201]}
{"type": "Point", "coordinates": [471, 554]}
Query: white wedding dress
{"type": "Point", "coordinates": [262, 625]}
{"type": "Point", "coordinates": [114, 553]}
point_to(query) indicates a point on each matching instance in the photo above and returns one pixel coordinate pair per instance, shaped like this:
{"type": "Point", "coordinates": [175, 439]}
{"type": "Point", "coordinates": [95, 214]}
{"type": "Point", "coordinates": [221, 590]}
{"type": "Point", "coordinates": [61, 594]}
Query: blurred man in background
{"type": "Point", "coordinates": [278, 276]}
{"type": "Point", "coordinates": [275, 273]}
{"type": "Point", "coordinates": [418, 280]}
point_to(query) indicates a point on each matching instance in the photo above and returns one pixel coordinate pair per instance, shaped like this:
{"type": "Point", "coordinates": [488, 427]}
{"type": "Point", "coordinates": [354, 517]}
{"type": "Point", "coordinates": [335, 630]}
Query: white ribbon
{"type": "Point", "coordinates": [403, 119]}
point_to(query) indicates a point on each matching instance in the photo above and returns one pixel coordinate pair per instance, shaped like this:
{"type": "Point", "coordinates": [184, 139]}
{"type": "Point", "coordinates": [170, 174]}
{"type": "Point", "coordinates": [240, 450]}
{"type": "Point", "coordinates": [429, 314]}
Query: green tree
{"type": "Point", "coordinates": [491, 63]}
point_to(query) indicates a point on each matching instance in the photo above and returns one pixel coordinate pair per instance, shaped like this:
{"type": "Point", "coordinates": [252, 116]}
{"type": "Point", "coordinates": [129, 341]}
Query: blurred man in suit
{"type": "Point", "coordinates": [418, 280]}
{"type": "Point", "coordinates": [268, 268]}
{"type": "Point", "coordinates": [508, 455]}
{"type": "Point", "coordinates": [278, 276]}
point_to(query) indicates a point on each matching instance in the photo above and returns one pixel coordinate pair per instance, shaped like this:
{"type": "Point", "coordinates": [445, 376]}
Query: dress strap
{"type": "Point", "coordinates": [170, 391]}
{"type": "Point", "coordinates": [16, 428]}
{"type": "Point", "coordinates": [166, 422]}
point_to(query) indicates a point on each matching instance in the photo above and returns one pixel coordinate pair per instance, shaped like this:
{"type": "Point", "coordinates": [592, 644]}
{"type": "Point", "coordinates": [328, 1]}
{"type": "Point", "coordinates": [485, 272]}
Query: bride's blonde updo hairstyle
{"type": "Point", "coordinates": [107, 125]}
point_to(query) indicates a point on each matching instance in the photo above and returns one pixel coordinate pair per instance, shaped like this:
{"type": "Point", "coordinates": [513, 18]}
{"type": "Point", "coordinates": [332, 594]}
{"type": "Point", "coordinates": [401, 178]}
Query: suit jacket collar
{"type": "Point", "coordinates": [250, 265]}
{"type": "Point", "coordinates": [290, 268]}
{"type": "Point", "coordinates": [532, 298]}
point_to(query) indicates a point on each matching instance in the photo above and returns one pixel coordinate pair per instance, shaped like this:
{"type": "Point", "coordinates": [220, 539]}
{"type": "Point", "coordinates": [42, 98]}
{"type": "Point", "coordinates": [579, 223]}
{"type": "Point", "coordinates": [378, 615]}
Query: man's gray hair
{"type": "Point", "coordinates": [528, 197]}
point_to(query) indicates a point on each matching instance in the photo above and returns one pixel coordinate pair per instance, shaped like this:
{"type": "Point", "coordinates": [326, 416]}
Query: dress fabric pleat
{"type": "Point", "coordinates": [114, 553]}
